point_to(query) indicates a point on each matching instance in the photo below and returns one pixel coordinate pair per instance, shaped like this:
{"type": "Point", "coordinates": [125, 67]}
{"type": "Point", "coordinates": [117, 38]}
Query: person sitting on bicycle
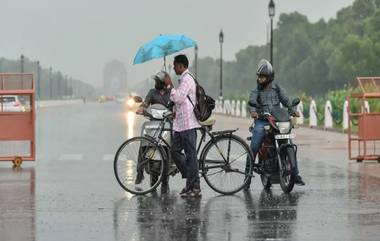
{"type": "Point", "coordinates": [267, 95]}
{"type": "Point", "coordinates": [157, 95]}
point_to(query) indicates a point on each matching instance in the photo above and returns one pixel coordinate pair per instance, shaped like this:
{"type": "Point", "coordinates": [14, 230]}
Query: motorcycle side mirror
{"type": "Point", "coordinates": [137, 99]}
{"type": "Point", "coordinates": [295, 102]}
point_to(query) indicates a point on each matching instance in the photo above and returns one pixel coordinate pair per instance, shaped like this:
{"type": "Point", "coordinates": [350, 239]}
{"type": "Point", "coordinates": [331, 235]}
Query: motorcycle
{"type": "Point", "coordinates": [277, 157]}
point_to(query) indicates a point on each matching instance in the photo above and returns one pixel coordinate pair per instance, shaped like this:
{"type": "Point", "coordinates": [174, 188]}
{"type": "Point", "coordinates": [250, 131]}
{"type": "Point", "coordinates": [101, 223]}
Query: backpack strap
{"type": "Point", "coordinates": [196, 84]}
{"type": "Point", "coordinates": [192, 76]}
{"type": "Point", "coordinates": [190, 101]}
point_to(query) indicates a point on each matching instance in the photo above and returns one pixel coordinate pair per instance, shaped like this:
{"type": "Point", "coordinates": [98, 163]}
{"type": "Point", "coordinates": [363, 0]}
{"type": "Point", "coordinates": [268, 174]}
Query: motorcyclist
{"type": "Point", "coordinates": [157, 95]}
{"type": "Point", "coordinates": [267, 95]}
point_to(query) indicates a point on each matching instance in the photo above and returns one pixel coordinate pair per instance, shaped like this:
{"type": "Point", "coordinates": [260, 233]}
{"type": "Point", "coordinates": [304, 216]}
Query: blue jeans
{"type": "Point", "coordinates": [258, 135]}
{"type": "Point", "coordinates": [186, 163]}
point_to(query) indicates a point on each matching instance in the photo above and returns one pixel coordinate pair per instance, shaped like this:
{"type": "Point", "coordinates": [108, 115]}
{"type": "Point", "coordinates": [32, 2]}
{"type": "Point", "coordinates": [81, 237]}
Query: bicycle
{"type": "Point", "coordinates": [222, 160]}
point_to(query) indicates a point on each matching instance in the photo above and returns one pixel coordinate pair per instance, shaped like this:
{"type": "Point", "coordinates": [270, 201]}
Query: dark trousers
{"type": "Point", "coordinates": [186, 163]}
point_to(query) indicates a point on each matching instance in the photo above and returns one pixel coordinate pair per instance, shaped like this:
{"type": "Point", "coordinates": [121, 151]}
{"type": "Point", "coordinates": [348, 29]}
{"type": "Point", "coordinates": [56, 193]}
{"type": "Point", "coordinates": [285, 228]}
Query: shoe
{"type": "Point", "coordinates": [139, 178]}
{"type": "Point", "coordinates": [195, 193]}
{"type": "Point", "coordinates": [299, 181]}
{"type": "Point", "coordinates": [184, 191]}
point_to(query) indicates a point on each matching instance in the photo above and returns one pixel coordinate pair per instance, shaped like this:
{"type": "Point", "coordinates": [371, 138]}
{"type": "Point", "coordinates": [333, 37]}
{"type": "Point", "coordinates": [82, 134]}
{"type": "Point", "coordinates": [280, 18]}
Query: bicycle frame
{"type": "Point", "coordinates": [157, 137]}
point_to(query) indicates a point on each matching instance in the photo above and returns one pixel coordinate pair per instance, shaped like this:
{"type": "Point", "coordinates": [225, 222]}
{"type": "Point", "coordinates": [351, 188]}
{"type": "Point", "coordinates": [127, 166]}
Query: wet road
{"type": "Point", "coordinates": [70, 193]}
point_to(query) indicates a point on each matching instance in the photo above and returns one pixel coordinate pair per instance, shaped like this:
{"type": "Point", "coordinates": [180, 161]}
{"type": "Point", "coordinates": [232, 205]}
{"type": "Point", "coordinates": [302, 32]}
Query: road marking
{"type": "Point", "coordinates": [70, 157]}
{"type": "Point", "coordinates": [108, 157]}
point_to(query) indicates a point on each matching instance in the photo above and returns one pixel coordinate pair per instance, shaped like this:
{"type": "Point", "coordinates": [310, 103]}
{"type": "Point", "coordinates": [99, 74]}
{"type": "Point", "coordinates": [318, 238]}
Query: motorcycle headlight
{"type": "Point", "coordinates": [284, 127]}
{"type": "Point", "coordinates": [157, 114]}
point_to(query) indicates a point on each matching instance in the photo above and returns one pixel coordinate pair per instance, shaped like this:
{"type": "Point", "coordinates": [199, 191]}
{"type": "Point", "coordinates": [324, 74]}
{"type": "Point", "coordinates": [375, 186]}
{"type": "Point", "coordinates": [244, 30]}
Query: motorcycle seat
{"type": "Point", "coordinates": [209, 122]}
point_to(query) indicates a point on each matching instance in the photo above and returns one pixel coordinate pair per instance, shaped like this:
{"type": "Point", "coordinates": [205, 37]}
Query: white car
{"type": "Point", "coordinates": [11, 103]}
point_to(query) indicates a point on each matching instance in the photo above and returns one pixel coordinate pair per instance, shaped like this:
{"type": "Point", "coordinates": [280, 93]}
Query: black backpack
{"type": "Point", "coordinates": [204, 105]}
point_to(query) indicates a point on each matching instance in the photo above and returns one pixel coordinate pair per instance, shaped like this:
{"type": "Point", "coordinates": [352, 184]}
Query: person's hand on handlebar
{"type": "Point", "coordinates": [140, 111]}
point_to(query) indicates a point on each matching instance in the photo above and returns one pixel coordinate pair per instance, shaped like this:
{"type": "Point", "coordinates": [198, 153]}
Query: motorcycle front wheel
{"type": "Point", "coordinates": [288, 170]}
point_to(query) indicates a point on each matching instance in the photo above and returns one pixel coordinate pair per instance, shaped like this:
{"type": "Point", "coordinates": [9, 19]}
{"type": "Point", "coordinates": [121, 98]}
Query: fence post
{"type": "Point", "coordinates": [226, 107]}
{"type": "Point", "coordinates": [238, 108]}
{"type": "Point", "coordinates": [313, 120]}
{"type": "Point", "coordinates": [328, 115]}
{"type": "Point", "coordinates": [216, 110]}
{"type": "Point", "coordinates": [244, 109]}
{"type": "Point", "coordinates": [219, 106]}
{"type": "Point", "coordinates": [233, 107]}
{"type": "Point", "coordinates": [345, 116]}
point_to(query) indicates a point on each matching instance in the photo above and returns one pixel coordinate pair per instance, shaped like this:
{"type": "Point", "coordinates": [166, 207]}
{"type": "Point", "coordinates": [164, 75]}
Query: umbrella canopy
{"type": "Point", "coordinates": [162, 46]}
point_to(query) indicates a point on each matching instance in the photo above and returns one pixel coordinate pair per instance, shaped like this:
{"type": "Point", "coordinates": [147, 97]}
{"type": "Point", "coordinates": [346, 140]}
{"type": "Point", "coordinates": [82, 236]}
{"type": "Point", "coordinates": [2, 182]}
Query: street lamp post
{"type": "Point", "coordinates": [271, 8]}
{"type": "Point", "coordinates": [196, 61]}
{"type": "Point", "coordinates": [51, 82]}
{"type": "Point", "coordinates": [71, 89]}
{"type": "Point", "coordinates": [38, 80]}
{"type": "Point", "coordinates": [66, 84]}
{"type": "Point", "coordinates": [22, 59]}
{"type": "Point", "coordinates": [221, 39]}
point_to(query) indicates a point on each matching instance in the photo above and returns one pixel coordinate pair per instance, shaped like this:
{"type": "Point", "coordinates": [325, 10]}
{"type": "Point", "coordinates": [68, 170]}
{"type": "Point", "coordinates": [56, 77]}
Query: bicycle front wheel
{"type": "Point", "coordinates": [136, 160]}
{"type": "Point", "coordinates": [226, 162]}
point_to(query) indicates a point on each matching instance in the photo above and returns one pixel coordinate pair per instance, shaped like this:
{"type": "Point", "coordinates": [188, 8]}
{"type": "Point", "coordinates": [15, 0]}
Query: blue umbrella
{"type": "Point", "coordinates": [163, 46]}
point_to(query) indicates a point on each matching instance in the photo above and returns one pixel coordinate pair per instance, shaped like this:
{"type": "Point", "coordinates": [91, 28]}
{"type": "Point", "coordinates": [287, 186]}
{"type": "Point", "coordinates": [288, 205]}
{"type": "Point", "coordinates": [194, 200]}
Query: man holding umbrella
{"type": "Point", "coordinates": [184, 127]}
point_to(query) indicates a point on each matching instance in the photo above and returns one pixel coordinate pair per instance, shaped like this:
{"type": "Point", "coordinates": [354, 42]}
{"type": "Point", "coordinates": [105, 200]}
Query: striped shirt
{"type": "Point", "coordinates": [185, 118]}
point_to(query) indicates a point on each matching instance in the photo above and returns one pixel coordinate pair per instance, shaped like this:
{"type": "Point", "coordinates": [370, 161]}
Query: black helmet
{"type": "Point", "coordinates": [266, 69]}
{"type": "Point", "coordinates": [159, 79]}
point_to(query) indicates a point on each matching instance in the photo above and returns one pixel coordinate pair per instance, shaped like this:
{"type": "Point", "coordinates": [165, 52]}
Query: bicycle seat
{"type": "Point", "coordinates": [209, 122]}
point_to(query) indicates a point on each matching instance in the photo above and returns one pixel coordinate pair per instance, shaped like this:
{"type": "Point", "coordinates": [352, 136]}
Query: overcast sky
{"type": "Point", "coordinates": [78, 37]}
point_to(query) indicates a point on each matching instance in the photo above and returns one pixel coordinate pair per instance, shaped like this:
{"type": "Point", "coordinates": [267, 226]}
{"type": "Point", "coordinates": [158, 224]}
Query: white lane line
{"type": "Point", "coordinates": [108, 157]}
{"type": "Point", "coordinates": [70, 157]}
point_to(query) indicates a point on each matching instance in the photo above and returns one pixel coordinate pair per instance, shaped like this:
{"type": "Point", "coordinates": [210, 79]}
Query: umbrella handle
{"type": "Point", "coordinates": [165, 63]}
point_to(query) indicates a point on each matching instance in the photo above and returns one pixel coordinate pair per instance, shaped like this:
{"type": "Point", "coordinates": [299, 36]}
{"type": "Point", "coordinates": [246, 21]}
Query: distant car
{"type": "Point", "coordinates": [102, 99]}
{"type": "Point", "coordinates": [11, 103]}
{"type": "Point", "coordinates": [110, 98]}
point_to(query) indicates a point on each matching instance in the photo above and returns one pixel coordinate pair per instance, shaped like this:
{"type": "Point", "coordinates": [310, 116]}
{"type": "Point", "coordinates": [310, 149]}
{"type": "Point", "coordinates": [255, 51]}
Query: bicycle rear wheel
{"type": "Point", "coordinates": [139, 156]}
{"type": "Point", "coordinates": [225, 163]}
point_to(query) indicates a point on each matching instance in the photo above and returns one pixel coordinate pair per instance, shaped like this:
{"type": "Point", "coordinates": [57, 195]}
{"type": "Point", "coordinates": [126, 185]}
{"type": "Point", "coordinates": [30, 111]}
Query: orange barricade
{"type": "Point", "coordinates": [17, 117]}
{"type": "Point", "coordinates": [367, 140]}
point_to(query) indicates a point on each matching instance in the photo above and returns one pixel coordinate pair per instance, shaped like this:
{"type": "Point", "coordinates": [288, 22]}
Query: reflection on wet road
{"type": "Point", "coordinates": [17, 204]}
{"type": "Point", "coordinates": [324, 211]}
{"type": "Point", "coordinates": [130, 122]}
{"type": "Point", "coordinates": [70, 192]}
